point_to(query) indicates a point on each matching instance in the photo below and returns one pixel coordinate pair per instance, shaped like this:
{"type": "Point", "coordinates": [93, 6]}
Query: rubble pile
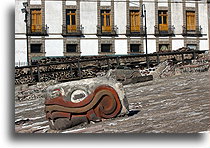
{"type": "Point", "coordinates": [128, 76]}
{"type": "Point", "coordinates": [168, 68]}
{"type": "Point", "coordinates": [164, 69]}
{"type": "Point", "coordinates": [200, 64]}
{"type": "Point", "coordinates": [25, 92]}
{"type": "Point", "coordinates": [182, 49]}
{"type": "Point", "coordinates": [181, 106]}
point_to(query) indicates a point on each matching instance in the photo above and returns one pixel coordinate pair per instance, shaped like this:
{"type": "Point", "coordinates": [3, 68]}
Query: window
{"type": "Point", "coordinates": [71, 48]}
{"type": "Point", "coordinates": [71, 20]}
{"type": "Point", "coordinates": [192, 46]}
{"type": "Point", "coordinates": [36, 20]}
{"type": "Point", "coordinates": [106, 20]}
{"type": "Point", "coordinates": [106, 47]}
{"type": "Point", "coordinates": [163, 47]}
{"type": "Point", "coordinates": [191, 21]}
{"type": "Point", "coordinates": [135, 21]}
{"type": "Point", "coordinates": [36, 48]}
{"type": "Point", "coordinates": [135, 47]}
{"type": "Point", "coordinates": [163, 20]}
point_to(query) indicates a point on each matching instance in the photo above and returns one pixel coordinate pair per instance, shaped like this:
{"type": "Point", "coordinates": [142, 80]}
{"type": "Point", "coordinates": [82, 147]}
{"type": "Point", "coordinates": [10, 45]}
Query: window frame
{"type": "Point", "coordinates": [106, 51]}
{"type": "Point", "coordinates": [71, 17]}
{"type": "Point", "coordinates": [133, 51]}
{"type": "Point", "coordinates": [163, 15]}
{"type": "Point", "coordinates": [36, 20]}
{"type": "Point", "coordinates": [190, 20]}
{"type": "Point", "coordinates": [168, 47]}
{"type": "Point", "coordinates": [196, 46]}
{"type": "Point", "coordinates": [76, 48]}
{"type": "Point", "coordinates": [40, 51]}
{"type": "Point", "coordinates": [135, 20]}
{"type": "Point", "coordinates": [106, 20]}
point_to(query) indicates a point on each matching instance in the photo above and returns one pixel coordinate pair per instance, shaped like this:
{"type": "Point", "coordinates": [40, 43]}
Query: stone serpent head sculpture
{"type": "Point", "coordinates": [71, 103]}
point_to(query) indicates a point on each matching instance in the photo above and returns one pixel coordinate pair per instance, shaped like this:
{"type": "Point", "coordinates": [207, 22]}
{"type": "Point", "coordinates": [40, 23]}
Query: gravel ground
{"type": "Point", "coordinates": [177, 104]}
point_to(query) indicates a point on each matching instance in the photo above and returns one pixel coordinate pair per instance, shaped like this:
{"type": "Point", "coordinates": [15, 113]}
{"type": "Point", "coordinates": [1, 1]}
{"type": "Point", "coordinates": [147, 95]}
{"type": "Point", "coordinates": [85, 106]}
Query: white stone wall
{"type": "Point", "coordinates": [20, 51]}
{"type": "Point", "coordinates": [105, 3]}
{"type": "Point", "coordinates": [176, 44]}
{"type": "Point", "coordinates": [204, 45]}
{"type": "Point", "coordinates": [53, 16]}
{"type": "Point", "coordinates": [203, 17]}
{"type": "Point", "coordinates": [71, 2]}
{"type": "Point", "coordinates": [54, 47]}
{"type": "Point", "coordinates": [88, 17]}
{"type": "Point", "coordinates": [121, 47]}
{"type": "Point", "coordinates": [19, 17]}
{"type": "Point", "coordinates": [133, 3]}
{"type": "Point", "coordinates": [89, 46]}
{"type": "Point", "coordinates": [35, 2]}
{"type": "Point", "coordinates": [190, 4]}
{"type": "Point", "coordinates": [163, 3]}
{"type": "Point", "coordinates": [150, 7]}
{"type": "Point", "coordinates": [20, 38]}
{"type": "Point", "coordinates": [151, 46]}
{"type": "Point", "coordinates": [177, 19]}
{"type": "Point", "coordinates": [120, 16]}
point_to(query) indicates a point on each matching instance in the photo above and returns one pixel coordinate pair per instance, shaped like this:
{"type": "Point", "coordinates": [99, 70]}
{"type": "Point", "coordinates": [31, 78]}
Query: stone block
{"type": "Point", "coordinates": [72, 103]}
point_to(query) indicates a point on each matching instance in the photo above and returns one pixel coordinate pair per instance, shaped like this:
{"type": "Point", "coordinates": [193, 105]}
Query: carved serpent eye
{"type": "Point", "coordinates": [78, 95]}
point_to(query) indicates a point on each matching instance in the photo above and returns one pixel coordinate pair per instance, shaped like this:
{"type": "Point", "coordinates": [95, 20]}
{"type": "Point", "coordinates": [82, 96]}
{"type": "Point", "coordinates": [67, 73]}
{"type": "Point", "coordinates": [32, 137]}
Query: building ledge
{"type": "Point", "coordinates": [135, 53]}
{"type": "Point", "coordinates": [112, 32]}
{"type": "Point", "coordinates": [140, 32]}
{"type": "Point", "coordinates": [72, 53]}
{"type": "Point", "coordinates": [42, 31]}
{"type": "Point", "coordinates": [169, 32]}
{"type": "Point", "coordinates": [192, 33]}
{"type": "Point", "coordinates": [77, 32]}
{"type": "Point", "coordinates": [106, 53]}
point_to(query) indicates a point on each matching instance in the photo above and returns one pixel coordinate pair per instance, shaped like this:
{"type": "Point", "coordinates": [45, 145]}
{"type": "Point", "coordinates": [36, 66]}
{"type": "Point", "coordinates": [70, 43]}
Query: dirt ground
{"type": "Point", "coordinates": [177, 104]}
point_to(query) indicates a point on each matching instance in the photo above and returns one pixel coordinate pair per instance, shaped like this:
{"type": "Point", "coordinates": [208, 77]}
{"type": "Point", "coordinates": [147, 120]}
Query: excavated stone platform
{"type": "Point", "coordinates": [176, 104]}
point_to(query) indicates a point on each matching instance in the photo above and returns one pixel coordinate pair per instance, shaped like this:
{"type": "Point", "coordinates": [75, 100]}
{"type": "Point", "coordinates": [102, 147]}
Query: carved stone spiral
{"type": "Point", "coordinates": [63, 113]}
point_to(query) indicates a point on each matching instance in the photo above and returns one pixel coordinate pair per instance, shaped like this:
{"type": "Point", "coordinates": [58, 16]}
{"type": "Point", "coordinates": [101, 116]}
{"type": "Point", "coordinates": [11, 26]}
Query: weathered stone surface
{"type": "Point", "coordinates": [168, 68]}
{"type": "Point", "coordinates": [177, 104]}
{"type": "Point", "coordinates": [72, 103]}
{"type": "Point", "coordinates": [89, 85]}
{"type": "Point", "coordinates": [176, 101]}
{"type": "Point", "coordinates": [25, 92]}
{"type": "Point", "coordinates": [128, 76]}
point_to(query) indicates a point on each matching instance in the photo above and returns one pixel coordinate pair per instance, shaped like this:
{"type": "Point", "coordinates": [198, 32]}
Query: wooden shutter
{"type": "Point", "coordinates": [71, 25]}
{"type": "Point", "coordinates": [191, 21]}
{"type": "Point", "coordinates": [106, 20]}
{"type": "Point", "coordinates": [135, 21]}
{"type": "Point", "coordinates": [163, 20]}
{"type": "Point", "coordinates": [36, 21]}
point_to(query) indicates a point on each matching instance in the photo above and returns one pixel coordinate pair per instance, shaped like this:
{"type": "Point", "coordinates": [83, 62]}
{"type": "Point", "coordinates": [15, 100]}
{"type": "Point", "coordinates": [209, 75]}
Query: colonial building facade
{"type": "Point", "coordinates": [108, 27]}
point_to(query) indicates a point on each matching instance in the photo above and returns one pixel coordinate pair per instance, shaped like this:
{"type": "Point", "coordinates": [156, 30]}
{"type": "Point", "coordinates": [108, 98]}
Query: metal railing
{"type": "Point", "coordinates": [112, 32]}
{"type": "Point", "coordinates": [196, 32]}
{"type": "Point", "coordinates": [77, 32]}
{"type": "Point", "coordinates": [86, 68]}
{"type": "Point", "coordinates": [169, 32]}
{"type": "Point", "coordinates": [20, 64]}
{"type": "Point", "coordinates": [140, 32]}
{"type": "Point", "coordinates": [38, 30]}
